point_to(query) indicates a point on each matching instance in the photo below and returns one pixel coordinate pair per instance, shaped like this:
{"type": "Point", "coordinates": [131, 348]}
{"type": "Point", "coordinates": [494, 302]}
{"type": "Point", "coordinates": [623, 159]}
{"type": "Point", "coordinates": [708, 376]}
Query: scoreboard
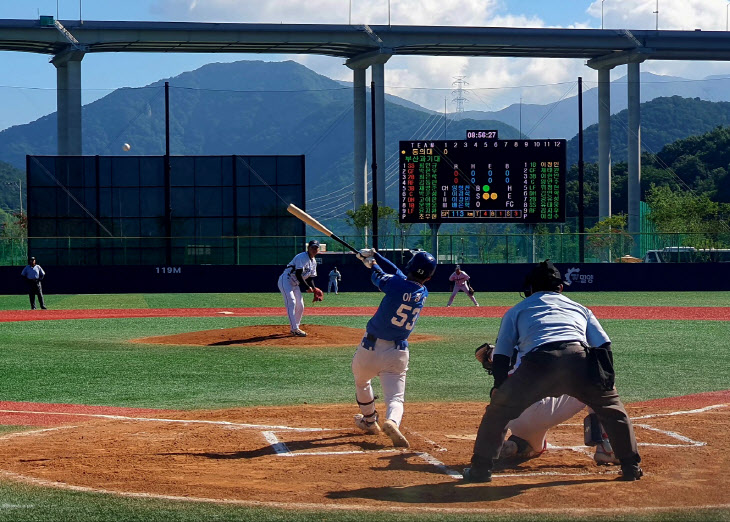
{"type": "Point", "coordinates": [482, 180]}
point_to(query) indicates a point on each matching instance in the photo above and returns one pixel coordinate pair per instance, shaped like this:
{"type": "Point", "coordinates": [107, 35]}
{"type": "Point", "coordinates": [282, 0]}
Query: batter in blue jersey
{"type": "Point", "coordinates": [383, 352]}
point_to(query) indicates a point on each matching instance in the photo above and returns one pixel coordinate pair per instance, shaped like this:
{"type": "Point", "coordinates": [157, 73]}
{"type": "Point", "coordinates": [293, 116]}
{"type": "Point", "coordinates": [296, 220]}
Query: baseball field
{"type": "Point", "coordinates": [200, 406]}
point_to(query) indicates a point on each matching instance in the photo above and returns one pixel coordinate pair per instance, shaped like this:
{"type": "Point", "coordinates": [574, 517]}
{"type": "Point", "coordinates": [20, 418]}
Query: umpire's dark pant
{"type": "Point", "coordinates": [552, 373]}
{"type": "Point", "coordinates": [34, 289]}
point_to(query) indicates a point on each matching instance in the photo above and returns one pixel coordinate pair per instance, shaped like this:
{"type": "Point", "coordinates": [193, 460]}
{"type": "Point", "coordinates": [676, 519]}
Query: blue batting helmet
{"type": "Point", "coordinates": [421, 265]}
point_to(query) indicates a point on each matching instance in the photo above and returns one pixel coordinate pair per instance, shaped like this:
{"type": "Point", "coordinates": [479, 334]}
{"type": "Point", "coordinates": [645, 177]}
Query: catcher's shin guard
{"type": "Point", "coordinates": [592, 430]}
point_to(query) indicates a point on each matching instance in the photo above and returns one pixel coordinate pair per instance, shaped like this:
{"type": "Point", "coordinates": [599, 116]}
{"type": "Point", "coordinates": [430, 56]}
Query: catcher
{"type": "Point", "coordinates": [460, 280]}
{"type": "Point", "coordinates": [528, 437]}
{"type": "Point", "coordinates": [298, 275]}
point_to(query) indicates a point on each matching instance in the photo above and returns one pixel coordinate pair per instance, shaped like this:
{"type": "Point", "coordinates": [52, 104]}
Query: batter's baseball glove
{"type": "Point", "coordinates": [484, 355]}
{"type": "Point", "coordinates": [318, 295]}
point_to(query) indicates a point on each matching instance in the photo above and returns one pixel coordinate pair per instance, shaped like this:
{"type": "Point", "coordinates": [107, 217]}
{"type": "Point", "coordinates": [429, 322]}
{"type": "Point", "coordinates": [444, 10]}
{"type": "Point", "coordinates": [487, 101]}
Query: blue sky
{"type": "Point", "coordinates": [27, 87]}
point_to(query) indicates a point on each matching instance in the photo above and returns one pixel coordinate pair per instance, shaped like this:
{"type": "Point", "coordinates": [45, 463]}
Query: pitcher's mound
{"type": "Point", "coordinates": [272, 335]}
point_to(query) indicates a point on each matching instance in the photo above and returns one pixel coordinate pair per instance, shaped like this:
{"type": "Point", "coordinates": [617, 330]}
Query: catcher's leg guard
{"type": "Point", "coordinates": [592, 430]}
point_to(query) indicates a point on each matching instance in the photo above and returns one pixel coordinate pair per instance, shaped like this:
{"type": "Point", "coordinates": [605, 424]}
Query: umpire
{"type": "Point", "coordinates": [550, 332]}
{"type": "Point", "coordinates": [33, 274]}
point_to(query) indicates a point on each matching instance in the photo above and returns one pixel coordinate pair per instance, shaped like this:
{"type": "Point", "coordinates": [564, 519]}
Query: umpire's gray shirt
{"type": "Point", "coordinates": [547, 317]}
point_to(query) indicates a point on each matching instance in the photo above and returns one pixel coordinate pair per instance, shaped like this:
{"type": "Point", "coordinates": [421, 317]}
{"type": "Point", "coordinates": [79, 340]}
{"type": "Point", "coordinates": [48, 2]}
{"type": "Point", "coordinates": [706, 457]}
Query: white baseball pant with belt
{"type": "Point", "coordinates": [293, 299]}
{"type": "Point", "coordinates": [388, 362]}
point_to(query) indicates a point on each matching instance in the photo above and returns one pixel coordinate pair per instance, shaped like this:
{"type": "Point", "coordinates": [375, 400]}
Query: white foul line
{"type": "Point", "coordinates": [684, 412]}
{"type": "Point", "coordinates": [674, 435]}
{"type": "Point", "coordinates": [439, 465]}
{"type": "Point", "coordinates": [180, 421]}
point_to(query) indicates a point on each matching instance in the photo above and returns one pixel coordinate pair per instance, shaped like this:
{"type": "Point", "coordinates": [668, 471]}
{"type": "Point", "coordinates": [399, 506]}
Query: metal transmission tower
{"type": "Point", "coordinates": [459, 94]}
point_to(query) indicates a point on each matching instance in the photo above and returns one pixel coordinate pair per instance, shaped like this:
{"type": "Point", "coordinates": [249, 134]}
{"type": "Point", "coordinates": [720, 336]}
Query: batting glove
{"type": "Point", "coordinates": [367, 261]}
{"type": "Point", "coordinates": [366, 252]}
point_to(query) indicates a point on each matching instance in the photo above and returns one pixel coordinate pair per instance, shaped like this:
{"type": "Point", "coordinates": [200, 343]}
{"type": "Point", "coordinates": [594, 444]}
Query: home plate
{"type": "Point", "coordinates": [227, 313]}
{"type": "Point", "coordinates": [462, 437]}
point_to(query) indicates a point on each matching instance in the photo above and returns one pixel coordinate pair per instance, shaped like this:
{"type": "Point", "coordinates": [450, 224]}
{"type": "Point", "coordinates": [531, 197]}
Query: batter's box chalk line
{"type": "Point", "coordinates": [281, 449]}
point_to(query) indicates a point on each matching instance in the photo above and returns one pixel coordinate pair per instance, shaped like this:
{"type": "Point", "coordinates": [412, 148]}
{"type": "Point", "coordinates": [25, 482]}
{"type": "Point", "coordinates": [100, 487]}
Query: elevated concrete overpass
{"type": "Point", "coordinates": [363, 46]}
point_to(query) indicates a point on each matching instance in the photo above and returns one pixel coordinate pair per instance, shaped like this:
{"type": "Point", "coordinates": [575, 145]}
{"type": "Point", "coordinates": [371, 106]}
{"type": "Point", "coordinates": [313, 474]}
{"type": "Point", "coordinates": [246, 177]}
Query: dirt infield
{"type": "Point", "coordinates": [653, 313]}
{"type": "Point", "coordinates": [312, 456]}
{"type": "Point", "coordinates": [272, 335]}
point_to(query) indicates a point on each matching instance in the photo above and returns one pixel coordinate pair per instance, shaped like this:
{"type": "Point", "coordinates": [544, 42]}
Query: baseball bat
{"type": "Point", "coordinates": [309, 220]}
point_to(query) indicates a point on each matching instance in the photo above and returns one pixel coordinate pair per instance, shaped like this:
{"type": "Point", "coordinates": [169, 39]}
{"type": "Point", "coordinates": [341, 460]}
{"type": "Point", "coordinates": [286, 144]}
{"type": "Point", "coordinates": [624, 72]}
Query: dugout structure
{"type": "Point", "coordinates": [135, 210]}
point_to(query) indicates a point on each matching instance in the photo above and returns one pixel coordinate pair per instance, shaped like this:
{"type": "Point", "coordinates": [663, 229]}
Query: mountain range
{"type": "Point", "coordinates": [255, 107]}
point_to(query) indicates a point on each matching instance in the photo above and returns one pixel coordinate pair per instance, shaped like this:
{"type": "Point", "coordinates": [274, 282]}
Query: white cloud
{"type": "Point", "coordinates": [374, 12]}
{"type": "Point", "coordinates": [683, 15]}
{"type": "Point", "coordinates": [493, 82]}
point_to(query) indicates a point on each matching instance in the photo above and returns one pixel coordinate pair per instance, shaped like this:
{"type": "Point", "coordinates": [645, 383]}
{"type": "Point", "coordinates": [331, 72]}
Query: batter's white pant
{"type": "Point", "coordinates": [458, 289]}
{"type": "Point", "coordinates": [533, 424]}
{"type": "Point", "coordinates": [293, 300]}
{"type": "Point", "coordinates": [390, 365]}
{"type": "Point", "coordinates": [331, 283]}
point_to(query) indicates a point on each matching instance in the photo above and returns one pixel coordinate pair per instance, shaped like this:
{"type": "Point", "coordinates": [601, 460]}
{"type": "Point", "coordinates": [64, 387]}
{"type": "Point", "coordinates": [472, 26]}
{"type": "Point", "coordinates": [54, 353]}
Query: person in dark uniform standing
{"type": "Point", "coordinates": [550, 332]}
{"type": "Point", "coordinates": [33, 274]}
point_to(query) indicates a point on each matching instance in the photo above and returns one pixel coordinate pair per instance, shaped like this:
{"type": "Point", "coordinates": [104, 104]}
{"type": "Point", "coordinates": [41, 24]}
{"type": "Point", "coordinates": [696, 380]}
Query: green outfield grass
{"type": "Point", "coordinates": [91, 362]}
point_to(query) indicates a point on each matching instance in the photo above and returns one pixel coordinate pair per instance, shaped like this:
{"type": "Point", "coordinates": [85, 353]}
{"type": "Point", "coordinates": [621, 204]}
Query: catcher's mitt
{"type": "Point", "coordinates": [318, 295]}
{"type": "Point", "coordinates": [484, 355]}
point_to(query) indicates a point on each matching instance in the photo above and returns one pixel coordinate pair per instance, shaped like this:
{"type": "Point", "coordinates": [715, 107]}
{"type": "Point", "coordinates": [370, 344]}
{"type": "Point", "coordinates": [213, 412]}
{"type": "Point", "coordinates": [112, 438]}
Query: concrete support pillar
{"type": "Point", "coordinates": [68, 102]}
{"type": "Point", "coordinates": [378, 71]}
{"type": "Point", "coordinates": [604, 143]}
{"type": "Point", "coordinates": [360, 162]}
{"type": "Point", "coordinates": [634, 153]}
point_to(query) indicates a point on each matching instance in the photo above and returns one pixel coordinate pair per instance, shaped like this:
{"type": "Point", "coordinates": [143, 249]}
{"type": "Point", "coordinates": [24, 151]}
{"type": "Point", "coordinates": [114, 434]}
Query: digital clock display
{"type": "Point", "coordinates": [481, 134]}
{"type": "Point", "coordinates": [482, 181]}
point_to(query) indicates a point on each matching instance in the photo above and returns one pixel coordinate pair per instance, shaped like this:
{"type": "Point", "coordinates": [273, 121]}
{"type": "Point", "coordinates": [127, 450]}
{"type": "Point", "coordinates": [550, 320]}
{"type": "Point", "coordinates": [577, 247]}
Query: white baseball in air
{"type": "Point", "coordinates": [126, 147]}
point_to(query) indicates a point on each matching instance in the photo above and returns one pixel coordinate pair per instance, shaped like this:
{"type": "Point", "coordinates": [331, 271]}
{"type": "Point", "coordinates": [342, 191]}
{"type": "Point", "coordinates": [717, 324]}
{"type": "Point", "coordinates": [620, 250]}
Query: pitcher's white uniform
{"type": "Point", "coordinates": [289, 286]}
{"type": "Point", "coordinates": [460, 278]}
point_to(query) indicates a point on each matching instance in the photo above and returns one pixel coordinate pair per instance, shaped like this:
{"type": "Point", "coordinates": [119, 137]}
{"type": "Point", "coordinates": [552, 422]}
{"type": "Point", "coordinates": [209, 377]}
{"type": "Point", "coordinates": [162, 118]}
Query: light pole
{"type": "Point", "coordinates": [602, 13]}
{"type": "Point", "coordinates": [726, 12]}
{"type": "Point", "coordinates": [657, 14]}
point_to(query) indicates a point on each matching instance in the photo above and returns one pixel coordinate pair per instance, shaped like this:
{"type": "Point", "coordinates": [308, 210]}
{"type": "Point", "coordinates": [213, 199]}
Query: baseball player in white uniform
{"type": "Point", "coordinates": [298, 275]}
{"type": "Point", "coordinates": [529, 430]}
{"type": "Point", "coordinates": [461, 284]}
{"type": "Point", "coordinates": [335, 278]}
{"type": "Point", "coordinates": [528, 437]}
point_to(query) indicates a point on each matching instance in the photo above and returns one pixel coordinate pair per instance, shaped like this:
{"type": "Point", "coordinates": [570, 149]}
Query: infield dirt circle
{"type": "Point", "coordinates": [312, 456]}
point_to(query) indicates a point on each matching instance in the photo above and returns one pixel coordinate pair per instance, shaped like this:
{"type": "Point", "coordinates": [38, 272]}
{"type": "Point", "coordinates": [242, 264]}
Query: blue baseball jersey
{"type": "Point", "coordinates": [398, 311]}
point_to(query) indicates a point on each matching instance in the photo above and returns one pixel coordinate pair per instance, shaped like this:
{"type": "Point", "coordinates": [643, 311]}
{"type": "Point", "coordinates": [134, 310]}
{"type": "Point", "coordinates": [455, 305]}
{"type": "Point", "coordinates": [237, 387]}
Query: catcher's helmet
{"type": "Point", "coordinates": [422, 265]}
